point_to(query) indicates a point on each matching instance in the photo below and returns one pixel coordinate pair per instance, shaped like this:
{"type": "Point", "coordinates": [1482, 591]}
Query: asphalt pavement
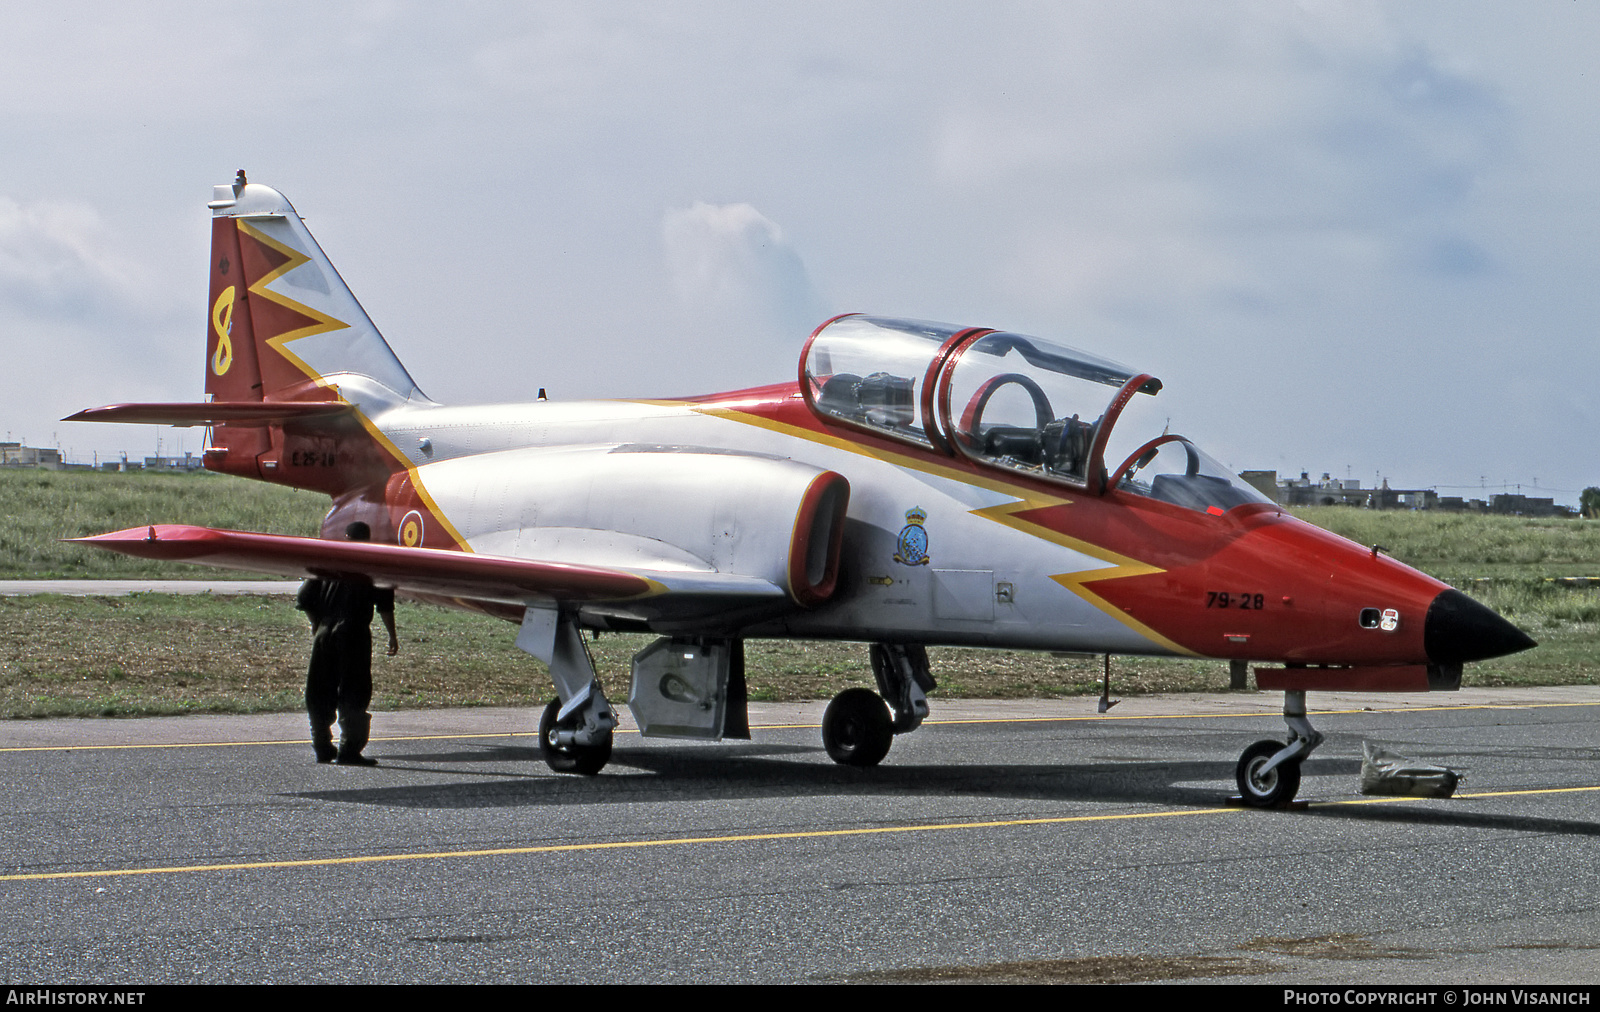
{"type": "Point", "coordinates": [1032, 840]}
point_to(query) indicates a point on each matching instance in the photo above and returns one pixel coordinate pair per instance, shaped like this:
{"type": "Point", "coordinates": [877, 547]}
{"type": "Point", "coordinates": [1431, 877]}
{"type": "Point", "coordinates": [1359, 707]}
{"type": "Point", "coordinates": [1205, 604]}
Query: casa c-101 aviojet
{"type": "Point", "coordinates": [918, 485]}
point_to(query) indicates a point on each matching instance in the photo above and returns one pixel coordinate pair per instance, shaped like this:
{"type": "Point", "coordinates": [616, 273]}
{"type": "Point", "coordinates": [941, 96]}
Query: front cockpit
{"type": "Point", "coordinates": [1007, 401]}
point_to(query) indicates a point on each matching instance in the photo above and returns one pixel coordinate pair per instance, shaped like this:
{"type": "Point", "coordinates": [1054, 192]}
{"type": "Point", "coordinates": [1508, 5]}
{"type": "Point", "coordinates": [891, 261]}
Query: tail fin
{"type": "Point", "coordinates": [282, 325]}
{"type": "Point", "coordinates": [284, 330]}
{"type": "Point", "coordinates": [295, 371]}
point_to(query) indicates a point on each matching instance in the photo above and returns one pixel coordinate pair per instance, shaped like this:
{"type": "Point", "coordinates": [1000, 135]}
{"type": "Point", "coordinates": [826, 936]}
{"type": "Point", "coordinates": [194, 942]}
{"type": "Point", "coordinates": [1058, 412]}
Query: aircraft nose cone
{"type": "Point", "coordinates": [1458, 629]}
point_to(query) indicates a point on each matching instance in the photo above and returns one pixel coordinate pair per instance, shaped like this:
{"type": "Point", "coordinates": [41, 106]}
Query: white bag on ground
{"type": "Point", "coordinates": [1384, 772]}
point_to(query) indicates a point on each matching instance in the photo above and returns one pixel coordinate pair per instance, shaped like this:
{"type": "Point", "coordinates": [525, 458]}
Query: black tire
{"type": "Point", "coordinates": [1275, 788]}
{"type": "Point", "coordinates": [857, 729]}
{"type": "Point", "coordinates": [585, 759]}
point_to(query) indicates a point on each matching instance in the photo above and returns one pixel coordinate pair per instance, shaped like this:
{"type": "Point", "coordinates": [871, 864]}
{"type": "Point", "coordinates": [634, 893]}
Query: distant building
{"type": "Point", "coordinates": [1331, 491]}
{"type": "Point", "coordinates": [187, 462]}
{"type": "Point", "coordinates": [1524, 506]}
{"type": "Point", "coordinates": [1265, 482]}
{"type": "Point", "coordinates": [1411, 499]}
{"type": "Point", "coordinates": [17, 455]}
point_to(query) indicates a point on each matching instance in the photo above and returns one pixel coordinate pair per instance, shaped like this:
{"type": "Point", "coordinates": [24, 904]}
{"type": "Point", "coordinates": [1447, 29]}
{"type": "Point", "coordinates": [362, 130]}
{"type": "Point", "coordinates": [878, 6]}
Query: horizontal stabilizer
{"type": "Point", "coordinates": [425, 570]}
{"type": "Point", "coordinates": [214, 412]}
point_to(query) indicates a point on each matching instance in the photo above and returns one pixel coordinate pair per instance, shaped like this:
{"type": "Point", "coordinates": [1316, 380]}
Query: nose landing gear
{"type": "Point", "coordinates": [1268, 773]}
{"type": "Point", "coordinates": [1264, 787]}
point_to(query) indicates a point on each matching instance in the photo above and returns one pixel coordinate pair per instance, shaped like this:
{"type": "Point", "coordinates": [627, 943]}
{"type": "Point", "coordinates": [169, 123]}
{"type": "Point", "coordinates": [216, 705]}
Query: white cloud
{"type": "Point", "coordinates": [732, 268]}
{"type": "Point", "coordinates": [57, 258]}
{"type": "Point", "coordinates": [1173, 166]}
{"type": "Point", "coordinates": [82, 322]}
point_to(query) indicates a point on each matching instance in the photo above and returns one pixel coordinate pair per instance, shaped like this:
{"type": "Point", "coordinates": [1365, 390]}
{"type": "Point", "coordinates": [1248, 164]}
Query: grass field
{"type": "Point", "coordinates": [40, 508]}
{"type": "Point", "coordinates": [160, 653]}
{"type": "Point", "coordinates": [164, 654]}
{"type": "Point", "coordinates": [1459, 548]}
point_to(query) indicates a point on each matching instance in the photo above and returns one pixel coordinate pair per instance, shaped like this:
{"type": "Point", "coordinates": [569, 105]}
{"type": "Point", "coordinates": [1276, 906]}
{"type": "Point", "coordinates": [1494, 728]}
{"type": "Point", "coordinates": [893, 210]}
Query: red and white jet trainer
{"type": "Point", "coordinates": [919, 485]}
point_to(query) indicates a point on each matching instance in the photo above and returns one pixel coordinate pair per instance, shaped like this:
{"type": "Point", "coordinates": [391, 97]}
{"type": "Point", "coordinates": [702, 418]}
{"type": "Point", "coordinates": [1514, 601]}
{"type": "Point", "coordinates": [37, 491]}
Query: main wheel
{"type": "Point", "coordinates": [857, 729]}
{"type": "Point", "coordinates": [1276, 786]}
{"type": "Point", "coordinates": [585, 759]}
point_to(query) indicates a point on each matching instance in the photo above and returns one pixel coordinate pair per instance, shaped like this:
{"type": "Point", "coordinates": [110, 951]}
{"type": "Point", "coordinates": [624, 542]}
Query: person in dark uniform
{"type": "Point", "coordinates": [339, 682]}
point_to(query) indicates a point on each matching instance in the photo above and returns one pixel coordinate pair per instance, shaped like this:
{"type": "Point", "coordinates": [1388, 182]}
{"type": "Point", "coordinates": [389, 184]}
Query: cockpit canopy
{"type": "Point", "coordinates": [1005, 400]}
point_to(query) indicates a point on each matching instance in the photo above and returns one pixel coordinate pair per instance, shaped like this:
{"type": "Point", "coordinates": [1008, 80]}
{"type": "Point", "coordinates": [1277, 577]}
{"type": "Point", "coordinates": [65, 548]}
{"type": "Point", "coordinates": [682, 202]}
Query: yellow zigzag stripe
{"type": "Point", "coordinates": [1004, 514]}
{"type": "Point", "coordinates": [1121, 565]}
{"type": "Point", "coordinates": [324, 324]}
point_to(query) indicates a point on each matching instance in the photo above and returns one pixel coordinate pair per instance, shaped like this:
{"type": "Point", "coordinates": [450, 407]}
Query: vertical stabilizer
{"type": "Point", "coordinates": [297, 376]}
{"type": "Point", "coordinates": [282, 323]}
{"type": "Point", "coordinates": [282, 328]}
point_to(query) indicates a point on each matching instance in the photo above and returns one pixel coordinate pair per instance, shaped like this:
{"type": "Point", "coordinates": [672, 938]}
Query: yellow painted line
{"type": "Point", "coordinates": [803, 727]}
{"type": "Point", "coordinates": [1531, 790]}
{"type": "Point", "coordinates": [570, 848]}
{"type": "Point", "coordinates": [264, 741]}
{"type": "Point", "coordinates": [684, 841]}
{"type": "Point", "coordinates": [1475, 794]}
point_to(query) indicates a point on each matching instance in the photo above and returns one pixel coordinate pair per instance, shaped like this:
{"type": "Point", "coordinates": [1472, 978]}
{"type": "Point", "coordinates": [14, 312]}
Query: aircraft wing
{"type": "Point", "coordinates": [439, 573]}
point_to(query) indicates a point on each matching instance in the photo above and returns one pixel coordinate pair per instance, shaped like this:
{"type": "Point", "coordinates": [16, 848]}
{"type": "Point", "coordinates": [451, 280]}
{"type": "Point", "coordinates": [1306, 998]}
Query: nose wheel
{"type": "Point", "coordinates": [1262, 787]}
{"type": "Point", "coordinates": [1268, 773]}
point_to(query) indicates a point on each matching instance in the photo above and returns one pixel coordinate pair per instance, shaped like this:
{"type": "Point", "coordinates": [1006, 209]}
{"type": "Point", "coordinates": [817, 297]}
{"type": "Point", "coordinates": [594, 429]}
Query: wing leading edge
{"type": "Point", "coordinates": [439, 573]}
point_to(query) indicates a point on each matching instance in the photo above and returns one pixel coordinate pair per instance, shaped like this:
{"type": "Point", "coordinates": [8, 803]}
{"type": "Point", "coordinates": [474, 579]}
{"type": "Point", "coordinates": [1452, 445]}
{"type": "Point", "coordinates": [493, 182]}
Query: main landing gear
{"type": "Point", "coordinates": [575, 730]}
{"type": "Point", "coordinates": [860, 725]}
{"type": "Point", "coordinates": [1269, 772]}
{"type": "Point", "coordinates": [574, 745]}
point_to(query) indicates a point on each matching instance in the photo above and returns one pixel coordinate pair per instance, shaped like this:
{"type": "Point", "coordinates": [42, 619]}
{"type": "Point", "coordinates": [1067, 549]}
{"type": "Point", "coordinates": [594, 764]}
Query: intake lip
{"type": "Point", "coordinates": [1458, 629]}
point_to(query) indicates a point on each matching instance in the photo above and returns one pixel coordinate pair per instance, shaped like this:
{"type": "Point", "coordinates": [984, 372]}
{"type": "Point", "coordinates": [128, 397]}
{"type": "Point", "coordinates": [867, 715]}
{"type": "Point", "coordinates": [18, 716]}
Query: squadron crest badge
{"type": "Point", "coordinates": [912, 547]}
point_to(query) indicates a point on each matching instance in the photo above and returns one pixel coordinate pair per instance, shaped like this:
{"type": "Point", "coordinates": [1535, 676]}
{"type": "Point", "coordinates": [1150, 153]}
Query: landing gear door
{"type": "Point", "coordinates": [690, 689]}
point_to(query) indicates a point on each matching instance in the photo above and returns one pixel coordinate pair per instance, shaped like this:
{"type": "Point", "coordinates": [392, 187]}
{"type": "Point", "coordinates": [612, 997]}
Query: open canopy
{"type": "Point", "coordinates": [1008, 401]}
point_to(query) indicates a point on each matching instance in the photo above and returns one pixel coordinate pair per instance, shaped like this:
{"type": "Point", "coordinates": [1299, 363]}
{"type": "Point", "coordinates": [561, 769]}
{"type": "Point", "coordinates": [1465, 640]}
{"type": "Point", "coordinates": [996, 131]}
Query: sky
{"type": "Point", "coordinates": [1350, 237]}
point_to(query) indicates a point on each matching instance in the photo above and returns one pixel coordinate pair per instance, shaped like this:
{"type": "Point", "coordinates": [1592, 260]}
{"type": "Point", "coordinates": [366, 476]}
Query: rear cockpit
{"type": "Point", "coordinates": [875, 374]}
{"type": "Point", "coordinates": [1007, 401]}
